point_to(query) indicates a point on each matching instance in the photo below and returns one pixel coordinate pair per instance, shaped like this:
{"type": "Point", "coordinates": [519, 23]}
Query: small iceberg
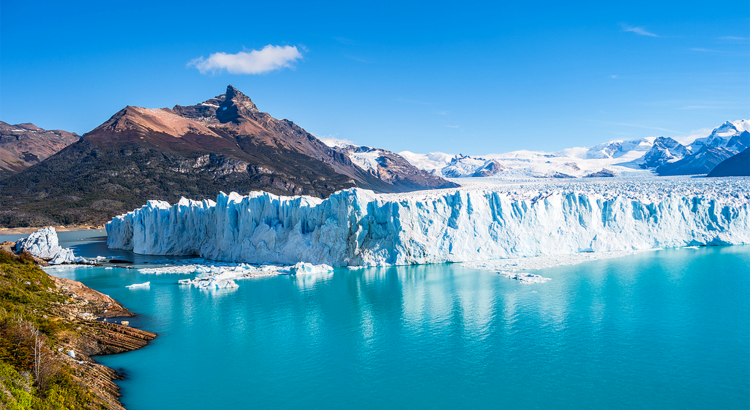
{"type": "Point", "coordinates": [139, 285]}
{"type": "Point", "coordinates": [304, 268]}
{"type": "Point", "coordinates": [525, 278]}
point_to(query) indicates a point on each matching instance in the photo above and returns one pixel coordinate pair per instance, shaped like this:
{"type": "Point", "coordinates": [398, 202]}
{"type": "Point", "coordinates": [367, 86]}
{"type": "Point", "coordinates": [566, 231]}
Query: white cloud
{"type": "Point", "coordinates": [269, 58]}
{"type": "Point", "coordinates": [705, 50]}
{"type": "Point", "coordinates": [637, 30]}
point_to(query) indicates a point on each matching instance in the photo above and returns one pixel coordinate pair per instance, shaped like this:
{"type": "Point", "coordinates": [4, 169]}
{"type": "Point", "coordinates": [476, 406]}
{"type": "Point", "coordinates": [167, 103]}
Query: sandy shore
{"type": "Point", "coordinates": [25, 230]}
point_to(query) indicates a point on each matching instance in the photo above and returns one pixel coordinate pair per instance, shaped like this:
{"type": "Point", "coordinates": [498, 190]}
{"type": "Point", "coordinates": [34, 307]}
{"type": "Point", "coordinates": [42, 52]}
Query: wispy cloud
{"type": "Point", "coordinates": [637, 30]}
{"type": "Point", "coordinates": [269, 58]}
{"type": "Point", "coordinates": [613, 76]}
{"type": "Point", "coordinates": [734, 38]}
{"type": "Point", "coordinates": [452, 126]}
{"type": "Point", "coordinates": [705, 50]}
{"type": "Point", "coordinates": [344, 40]}
{"type": "Point", "coordinates": [699, 107]}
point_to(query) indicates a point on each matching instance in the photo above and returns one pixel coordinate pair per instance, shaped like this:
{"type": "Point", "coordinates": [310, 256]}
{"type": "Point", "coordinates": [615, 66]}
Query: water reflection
{"type": "Point", "coordinates": [646, 331]}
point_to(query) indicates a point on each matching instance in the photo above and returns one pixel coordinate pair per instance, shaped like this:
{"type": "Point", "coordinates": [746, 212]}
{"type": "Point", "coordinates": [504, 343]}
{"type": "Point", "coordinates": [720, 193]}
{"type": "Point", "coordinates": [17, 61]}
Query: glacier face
{"type": "Point", "coordinates": [357, 227]}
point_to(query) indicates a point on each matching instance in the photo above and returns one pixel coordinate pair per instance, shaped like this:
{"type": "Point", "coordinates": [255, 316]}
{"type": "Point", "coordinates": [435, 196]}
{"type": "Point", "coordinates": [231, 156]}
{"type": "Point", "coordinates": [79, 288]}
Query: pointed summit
{"type": "Point", "coordinates": [239, 98]}
{"type": "Point", "coordinates": [234, 105]}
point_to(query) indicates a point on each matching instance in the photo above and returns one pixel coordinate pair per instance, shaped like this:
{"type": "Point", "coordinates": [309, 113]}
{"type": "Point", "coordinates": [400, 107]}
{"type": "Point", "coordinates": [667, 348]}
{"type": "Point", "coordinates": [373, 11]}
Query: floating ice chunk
{"type": "Point", "coordinates": [218, 275]}
{"type": "Point", "coordinates": [302, 268]}
{"type": "Point", "coordinates": [525, 278]}
{"type": "Point", "coordinates": [139, 285]}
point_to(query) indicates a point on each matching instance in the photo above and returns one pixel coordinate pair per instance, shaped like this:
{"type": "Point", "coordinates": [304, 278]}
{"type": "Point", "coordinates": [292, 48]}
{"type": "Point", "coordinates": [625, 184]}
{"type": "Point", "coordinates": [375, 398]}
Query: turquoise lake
{"type": "Point", "coordinates": [661, 330]}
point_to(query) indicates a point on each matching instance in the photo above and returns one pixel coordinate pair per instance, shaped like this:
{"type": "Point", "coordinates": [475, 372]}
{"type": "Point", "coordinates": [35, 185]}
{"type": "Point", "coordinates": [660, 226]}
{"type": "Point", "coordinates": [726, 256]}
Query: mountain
{"type": "Point", "coordinates": [738, 165]}
{"type": "Point", "coordinates": [724, 142]}
{"type": "Point", "coordinates": [645, 157]}
{"type": "Point", "coordinates": [618, 149]}
{"type": "Point", "coordinates": [723, 136]}
{"type": "Point", "coordinates": [391, 167]}
{"type": "Point", "coordinates": [223, 144]}
{"type": "Point", "coordinates": [23, 145]}
{"type": "Point", "coordinates": [474, 167]}
{"type": "Point", "coordinates": [701, 162]}
{"type": "Point", "coordinates": [662, 151]}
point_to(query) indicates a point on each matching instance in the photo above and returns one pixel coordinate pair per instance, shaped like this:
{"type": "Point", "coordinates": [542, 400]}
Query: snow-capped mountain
{"type": "Point", "coordinates": [388, 166]}
{"type": "Point", "coordinates": [621, 158]}
{"type": "Point", "coordinates": [701, 162]}
{"type": "Point", "coordinates": [619, 148]}
{"type": "Point", "coordinates": [466, 166]}
{"type": "Point", "coordinates": [725, 141]}
{"type": "Point", "coordinates": [662, 151]}
{"type": "Point", "coordinates": [723, 136]}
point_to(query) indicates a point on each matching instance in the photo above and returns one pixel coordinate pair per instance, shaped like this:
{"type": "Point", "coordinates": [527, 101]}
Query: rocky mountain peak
{"type": "Point", "coordinates": [224, 108]}
{"type": "Point", "coordinates": [235, 104]}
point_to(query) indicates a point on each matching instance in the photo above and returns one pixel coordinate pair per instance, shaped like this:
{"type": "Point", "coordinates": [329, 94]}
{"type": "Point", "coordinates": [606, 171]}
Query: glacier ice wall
{"type": "Point", "coordinates": [358, 227]}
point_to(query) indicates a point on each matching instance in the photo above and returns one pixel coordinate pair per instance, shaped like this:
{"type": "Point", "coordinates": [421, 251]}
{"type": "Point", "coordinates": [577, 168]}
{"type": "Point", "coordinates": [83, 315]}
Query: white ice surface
{"type": "Point", "coordinates": [488, 220]}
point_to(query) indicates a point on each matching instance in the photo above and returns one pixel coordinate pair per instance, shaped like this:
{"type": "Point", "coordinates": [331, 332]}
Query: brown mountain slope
{"type": "Point", "coordinates": [23, 145]}
{"type": "Point", "coordinates": [235, 113]}
{"type": "Point", "coordinates": [224, 144]}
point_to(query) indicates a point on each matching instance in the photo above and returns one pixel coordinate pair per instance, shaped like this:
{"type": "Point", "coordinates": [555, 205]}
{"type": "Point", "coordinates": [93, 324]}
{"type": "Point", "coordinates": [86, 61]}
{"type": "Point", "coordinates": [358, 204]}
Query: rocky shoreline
{"type": "Point", "coordinates": [80, 317]}
{"type": "Point", "coordinates": [61, 228]}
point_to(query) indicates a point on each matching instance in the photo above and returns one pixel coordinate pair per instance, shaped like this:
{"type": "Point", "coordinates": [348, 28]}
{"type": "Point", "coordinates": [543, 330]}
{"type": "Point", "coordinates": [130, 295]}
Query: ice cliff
{"type": "Point", "coordinates": [358, 227]}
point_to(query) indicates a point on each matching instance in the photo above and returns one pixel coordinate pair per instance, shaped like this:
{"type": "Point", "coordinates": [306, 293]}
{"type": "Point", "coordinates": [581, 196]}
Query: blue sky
{"type": "Point", "coordinates": [455, 77]}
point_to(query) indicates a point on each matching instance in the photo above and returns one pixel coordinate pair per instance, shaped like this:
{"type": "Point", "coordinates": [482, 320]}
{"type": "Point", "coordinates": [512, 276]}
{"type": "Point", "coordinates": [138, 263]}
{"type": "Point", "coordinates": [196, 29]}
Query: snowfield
{"type": "Point", "coordinates": [484, 220]}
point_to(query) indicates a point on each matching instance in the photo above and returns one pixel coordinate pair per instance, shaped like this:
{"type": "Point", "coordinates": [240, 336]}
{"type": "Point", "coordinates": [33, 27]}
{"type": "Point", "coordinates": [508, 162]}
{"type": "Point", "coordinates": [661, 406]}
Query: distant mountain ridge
{"type": "Point", "coordinates": [222, 144]}
{"type": "Point", "coordinates": [24, 145]}
{"type": "Point", "coordinates": [644, 157]}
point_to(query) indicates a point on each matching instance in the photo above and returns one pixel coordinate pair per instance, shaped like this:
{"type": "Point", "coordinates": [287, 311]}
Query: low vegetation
{"type": "Point", "coordinates": [34, 373]}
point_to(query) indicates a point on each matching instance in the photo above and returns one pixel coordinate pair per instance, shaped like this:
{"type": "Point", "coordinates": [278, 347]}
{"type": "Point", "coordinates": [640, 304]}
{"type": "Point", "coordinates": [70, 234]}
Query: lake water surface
{"type": "Point", "coordinates": [665, 329]}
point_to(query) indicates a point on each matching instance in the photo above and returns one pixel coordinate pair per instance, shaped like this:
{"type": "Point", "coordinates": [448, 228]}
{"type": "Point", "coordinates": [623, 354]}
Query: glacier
{"type": "Point", "coordinates": [357, 227]}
